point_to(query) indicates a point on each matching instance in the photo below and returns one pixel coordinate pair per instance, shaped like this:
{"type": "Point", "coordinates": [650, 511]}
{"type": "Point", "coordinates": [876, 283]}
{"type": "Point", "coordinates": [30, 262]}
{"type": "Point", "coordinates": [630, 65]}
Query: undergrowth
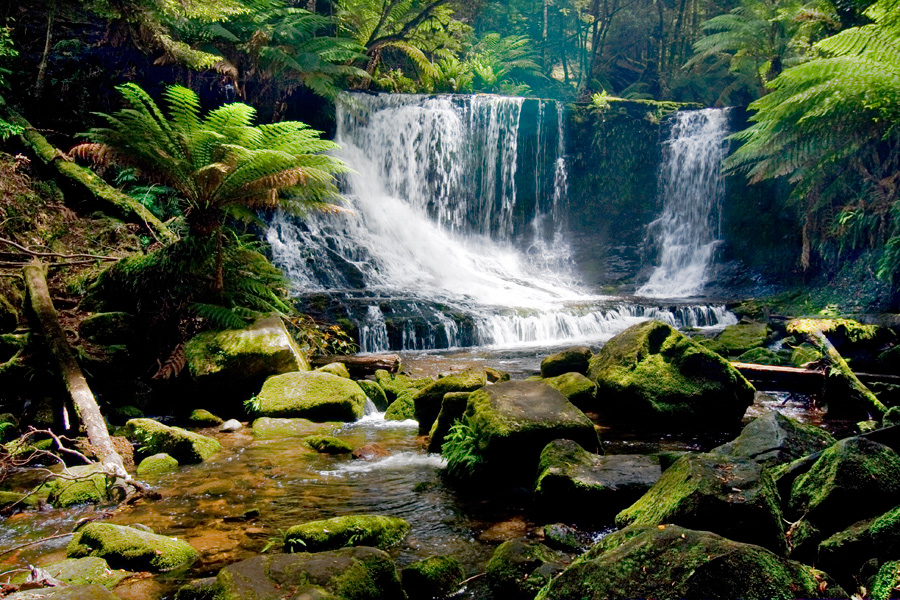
{"type": "Point", "coordinates": [461, 452]}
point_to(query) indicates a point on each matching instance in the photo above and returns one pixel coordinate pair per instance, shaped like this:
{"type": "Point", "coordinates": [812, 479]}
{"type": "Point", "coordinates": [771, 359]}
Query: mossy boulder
{"type": "Point", "coordinates": [232, 364]}
{"type": "Point", "coordinates": [575, 484]}
{"type": "Point", "coordinates": [891, 417]}
{"type": "Point", "coordinates": [578, 389]}
{"type": "Point", "coordinates": [453, 407]}
{"type": "Point", "coordinates": [184, 446]}
{"type": "Point", "coordinates": [844, 553]}
{"type": "Point", "coordinates": [435, 577]}
{"type": "Point", "coordinates": [650, 374]}
{"type": "Point", "coordinates": [395, 384]}
{"type": "Point", "coordinates": [520, 567]}
{"type": "Point", "coordinates": [570, 360]}
{"type": "Point", "coordinates": [374, 393]}
{"type": "Point", "coordinates": [354, 530]}
{"type": "Point", "coordinates": [512, 421]}
{"type": "Point", "coordinates": [65, 592]}
{"type": "Point", "coordinates": [732, 497]}
{"type": "Point", "coordinates": [774, 439]}
{"type": "Point", "coordinates": [335, 368]}
{"type": "Point", "coordinates": [742, 337]}
{"type": "Point", "coordinates": [266, 428]}
{"type": "Point", "coordinates": [668, 561]}
{"type": "Point", "coordinates": [886, 585]}
{"type": "Point", "coordinates": [312, 395]}
{"type": "Point", "coordinates": [347, 574]}
{"type": "Point", "coordinates": [805, 353]}
{"type": "Point", "coordinates": [761, 356]}
{"type": "Point", "coordinates": [327, 444]}
{"type": "Point", "coordinates": [129, 548]}
{"type": "Point", "coordinates": [86, 484]}
{"type": "Point", "coordinates": [109, 328]}
{"type": "Point", "coordinates": [403, 408]}
{"type": "Point", "coordinates": [203, 418]}
{"type": "Point", "coordinates": [7, 499]}
{"type": "Point", "coordinates": [428, 399]}
{"type": "Point", "coordinates": [157, 465]}
{"type": "Point", "coordinates": [86, 571]}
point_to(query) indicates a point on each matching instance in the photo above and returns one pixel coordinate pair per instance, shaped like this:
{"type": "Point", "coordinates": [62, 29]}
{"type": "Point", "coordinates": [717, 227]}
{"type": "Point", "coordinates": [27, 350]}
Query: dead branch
{"type": "Point", "coordinates": [55, 254]}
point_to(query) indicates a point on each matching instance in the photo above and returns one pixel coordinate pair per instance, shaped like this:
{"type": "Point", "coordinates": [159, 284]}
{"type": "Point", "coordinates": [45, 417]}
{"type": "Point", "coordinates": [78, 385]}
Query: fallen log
{"type": "Point", "coordinates": [83, 399]}
{"type": "Point", "coordinates": [782, 378]}
{"type": "Point", "coordinates": [360, 366]}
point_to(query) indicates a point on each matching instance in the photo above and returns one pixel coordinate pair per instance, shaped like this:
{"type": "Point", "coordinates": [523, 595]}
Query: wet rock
{"type": "Point", "coordinates": [198, 589]}
{"type": "Point", "coordinates": [374, 392]}
{"type": "Point", "coordinates": [434, 577]}
{"type": "Point", "coordinates": [326, 444]}
{"type": "Point", "coordinates": [203, 418]}
{"type": "Point", "coordinates": [68, 592]}
{"type": "Point", "coordinates": [335, 368]}
{"type": "Point", "coordinates": [266, 428]}
{"type": "Point", "coordinates": [844, 553]}
{"type": "Point", "coordinates": [90, 485]}
{"type": "Point", "coordinates": [347, 574]}
{"type": "Point", "coordinates": [156, 465]}
{"type": "Point", "coordinates": [371, 451]}
{"type": "Point", "coordinates": [310, 395]}
{"type": "Point", "coordinates": [428, 400]}
{"type": "Point", "coordinates": [403, 408]}
{"type": "Point", "coordinates": [9, 498]}
{"type": "Point", "coordinates": [495, 375]}
{"type": "Point", "coordinates": [395, 384]}
{"type": "Point", "coordinates": [575, 484]}
{"type": "Point", "coordinates": [775, 439]}
{"type": "Point", "coordinates": [571, 360]}
{"type": "Point", "coordinates": [128, 548]}
{"type": "Point", "coordinates": [453, 406]}
{"type": "Point", "coordinates": [109, 328]}
{"type": "Point", "coordinates": [742, 337]}
{"type": "Point", "coordinates": [230, 426]}
{"type": "Point", "coordinates": [184, 446]}
{"type": "Point", "coordinates": [668, 561]}
{"type": "Point", "coordinates": [355, 530]}
{"type": "Point", "coordinates": [505, 530]}
{"type": "Point", "coordinates": [650, 374]}
{"type": "Point", "coordinates": [732, 497]}
{"type": "Point", "coordinates": [86, 571]}
{"type": "Point", "coordinates": [578, 389]}
{"type": "Point", "coordinates": [521, 567]}
{"type": "Point", "coordinates": [560, 536]}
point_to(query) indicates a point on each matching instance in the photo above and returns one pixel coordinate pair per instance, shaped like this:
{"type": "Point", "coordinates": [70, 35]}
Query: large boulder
{"type": "Point", "coordinates": [668, 561]}
{"type": "Point", "coordinates": [428, 399]}
{"type": "Point", "coordinates": [109, 328]}
{"type": "Point", "coordinates": [574, 483]}
{"type": "Point", "coordinates": [512, 421]}
{"type": "Point", "coordinates": [844, 553]}
{"type": "Point", "coordinates": [775, 439]}
{"type": "Point", "coordinates": [233, 364]}
{"type": "Point", "coordinates": [578, 389]}
{"type": "Point", "coordinates": [348, 574]}
{"type": "Point", "coordinates": [312, 395]}
{"type": "Point", "coordinates": [732, 497]}
{"type": "Point", "coordinates": [267, 428]}
{"type": "Point", "coordinates": [353, 530]}
{"type": "Point", "coordinates": [184, 446]}
{"type": "Point", "coordinates": [133, 549]}
{"type": "Point", "coordinates": [520, 567]}
{"type": "Point", "coordinates": [85, 484]}
{"type": "Point", "coordinates": [742, 337]}
{"type": "Point", "coordinates": [395, 384]}
{"type": "Point", "coordinates": [403, 408]}
{"type": "Point", "coordinates": [570, 360]}
{"type": "Point", "coordinates": [652, 374]}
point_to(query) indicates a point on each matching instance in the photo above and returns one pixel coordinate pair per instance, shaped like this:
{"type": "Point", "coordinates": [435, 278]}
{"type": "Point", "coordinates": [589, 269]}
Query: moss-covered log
{"type": "Point", "coordinates": [850, 384]}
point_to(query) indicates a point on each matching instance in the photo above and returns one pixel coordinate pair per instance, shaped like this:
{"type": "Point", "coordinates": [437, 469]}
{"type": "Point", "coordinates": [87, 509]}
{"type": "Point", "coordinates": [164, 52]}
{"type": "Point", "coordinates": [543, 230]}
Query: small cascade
{"type": "Point", "coordinates": [691, 188]}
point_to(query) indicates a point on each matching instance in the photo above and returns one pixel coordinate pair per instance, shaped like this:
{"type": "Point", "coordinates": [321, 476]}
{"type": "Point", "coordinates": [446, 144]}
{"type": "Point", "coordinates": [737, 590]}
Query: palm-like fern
{"type": "Point", "coordinates": [502, 63]}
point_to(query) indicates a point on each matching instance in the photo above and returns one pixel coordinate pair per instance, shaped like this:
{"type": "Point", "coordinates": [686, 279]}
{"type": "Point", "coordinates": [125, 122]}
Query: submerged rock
{"type": "Point", "coordinates": [668, 561]}
{"type": "Point", "coordinates": [310, 395]}
{"type": "Point", "coordinates": [650, 374]}
{"type": "Point", "coordinates": [571, 360]}
{"type": "Point", "coordinates": [435, 577]}
{"type": "Point", "coordinates": [129, 548]}
{"type": "Point", "coordinates": [371, 451]}
{"type": "Point", "coordinates": [521, 567]}
{"type": "Point", "coordinates": [428, 400]}
{"type": "Point", "coordinates": [156, 465]}
{"type": "Point", "coordinates": [775, 439]}
{"type": "Point", "coordinates": [184, 446]}
{"type": "Point", "coordinates": [326, 444]}
{"type": "Point", "coordinates": [354, 530]}
{"type": "Point", "coordinates": [267, 428]}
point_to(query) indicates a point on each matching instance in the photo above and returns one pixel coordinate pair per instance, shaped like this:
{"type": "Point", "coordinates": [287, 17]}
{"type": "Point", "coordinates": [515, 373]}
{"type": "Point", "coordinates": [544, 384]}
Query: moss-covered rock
{"type": "Point", "coordinates": [266, 428]}
{"type": "Point", "coordinates": [7, 499]}
{"type": "Point", "coordinates": [520, 567]}
{"type": "Point", "coordinates": [562, 537]}
{"type": "Point", "coordinates": [335, 368]}
{"type": "Point", "coordinates": [157, 465]}
{"type": "Point", "coordinates": [347, 574]}
{"type": "Point", "coordinates": [453, 407]}
{"type": "Point", "coordinates": [570, 360]}
{"type": "Point", "coordinates": [887, 582]}
{"type": "Point", "coordinates": [129, 548]}
{"type": "Point", "coordinates": [374, 392]}
{"type": "Point", "coordinates": [761, 356]}
{"type": "Point", "coordinates": [67, 592]}
{"type": "Point", "coordinates": [354, 530]}
{"type": "Point", "coordinates": [650, 374]}
{"type": "Point", "coordinates": [575, 484]}
{"type": "Point", "coordinates": [312, 395]}
{"type": "Point", "coordinates": [184, 446]}
{"type": "Point", "coordinates": [395, 384]}
{"type": "Point", "coordinates": [732, 497]}
{"type": "Point", "coordinates": [844, 553]}
{"type": "Point", "coordinates": [775, 439]}
{"type": "Point", "coordinates": [742, 337]}
{"type": "Point", "coordinates": [232, 364]}
{"type": "Point", "coordinates": [805, 353]}
{"type": "Point", "coordinates": [403, 408]}
{"type": "Point", "coordinates": [109, 328]}
{"type": "Point", "coordinates": [578, 389]}
{"type": "Point", "coordinates": [428, 400]}
{"type": "Point", "coordinates": [668, 561]}
{"type": "Point", "coordinates": [203, 418]}
{"type": "Point", "coordinates": [326, 444]}
{"type": "Point", "coordinates": [891, 417]}
{"type": "Point", "coordinates": [86, 484]}
{"type": "Point", "coordinates": [86, 571]}
{"type": "Point", "coordinates": [435, 577]}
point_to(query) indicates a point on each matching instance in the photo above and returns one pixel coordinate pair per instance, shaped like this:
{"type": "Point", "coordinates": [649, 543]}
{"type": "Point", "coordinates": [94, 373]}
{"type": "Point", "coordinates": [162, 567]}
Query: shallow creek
{"type": "Point", "coordinates": [289, 484]}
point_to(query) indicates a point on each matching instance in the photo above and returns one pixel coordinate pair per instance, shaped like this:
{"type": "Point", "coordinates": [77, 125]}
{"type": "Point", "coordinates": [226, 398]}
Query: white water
{"type": "Point", "coordinates": [691, 186]}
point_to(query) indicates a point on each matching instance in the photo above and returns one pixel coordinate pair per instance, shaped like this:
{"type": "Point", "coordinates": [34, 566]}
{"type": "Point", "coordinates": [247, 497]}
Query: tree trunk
{"type": "Point", "coordinates": [82, 397]}
{"type": "Point", "coordinates": [45, 57]}
{"type": "Point", "coordinates": [844, 381]}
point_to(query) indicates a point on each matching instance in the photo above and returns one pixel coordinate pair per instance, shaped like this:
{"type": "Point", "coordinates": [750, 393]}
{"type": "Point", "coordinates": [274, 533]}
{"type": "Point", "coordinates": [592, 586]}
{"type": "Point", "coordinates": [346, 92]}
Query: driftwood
{"type": "Point", "coordinates": [360, 366]}
{"type": "Point", "coordinates": [83, 399]}
{"type": "Point", "coordinates": [782, 378]}
{"type": "Point", "coordinates": [842, 381]}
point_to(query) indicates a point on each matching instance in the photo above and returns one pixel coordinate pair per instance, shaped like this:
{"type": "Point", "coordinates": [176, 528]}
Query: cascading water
{"type": "Point", "coordinates": [691, 187]}
{"type": "Point", "coordinates": [444, 245]}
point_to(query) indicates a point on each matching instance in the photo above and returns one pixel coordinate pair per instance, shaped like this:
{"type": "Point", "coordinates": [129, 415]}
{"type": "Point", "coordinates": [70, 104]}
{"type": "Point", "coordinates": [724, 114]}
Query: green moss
{"type": "Point", "coordinates": [760, 356]}
{"type": "Point", "coordinates": [570, 360]}
{"type": "Point", "coordinates": [742, 337]}
{"type": "Point", "coordinates": [374, 392]}
{"type": "Point", "coordinates": [311, 395]}
{"type": "Point", "coordinates": [774, 439]}
{"type": "Point", "coordinates": [204, 418]}
{"type": "Point", "coordinates": [184, 446]}
{"type": "Point", "coordinates": [10, 498]}
{"type": "Point", "coordinates": [335, 368]}
{"type": "Point", "coordinates": [355, 530]}
{"type": "Point", "coordinates": [87, 571]}
{"type": "Point", "coordinates": [578, 389]}
{"type": "Point", "coordinates": [327, 444]}
{"type": "Point", "coordinates": [157, 465]}
{"type": "Point", "coordinates": [403, 408]}
{"type": "Point", "coordinates": [519, 568]}
{"type": "Point", "coordinates": [268, 428]}
{"type": "Point", "coordinates": [853, 331]}
{"type": "Point", "coordinates": [428, 400]}
{"type": "Point", "coordinates": [845, 552]}
{"type": "Point", "coordinates": [887, 582]}
{"type": "Point", "coordinates": [434, 577]}
{"type": "Point", "coordinates": [90, 487]}
{"type": "Point", "coordinates": [129, 548]}
{"type": "Point", "coordinates": [395, 384]}
{"type": "Point", "coordinates": [805, 353]}
{"type": "Point", "coordinates": [891, 417]}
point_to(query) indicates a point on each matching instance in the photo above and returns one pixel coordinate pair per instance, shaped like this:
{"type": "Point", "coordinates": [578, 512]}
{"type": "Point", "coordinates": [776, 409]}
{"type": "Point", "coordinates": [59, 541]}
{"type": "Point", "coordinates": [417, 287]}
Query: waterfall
{"type": "Point", "coordinates": [691, 188]}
